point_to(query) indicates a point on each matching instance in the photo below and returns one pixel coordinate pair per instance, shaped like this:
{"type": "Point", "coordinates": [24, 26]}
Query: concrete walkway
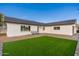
{"type": "Point", "coordinates": [20, 38]}
{"type": "Point", "coordinates": [77, 48]}
{"type": "Point", "coordinates": [6, 39]}
{"type": "Point", "coordinates": [0, 49]}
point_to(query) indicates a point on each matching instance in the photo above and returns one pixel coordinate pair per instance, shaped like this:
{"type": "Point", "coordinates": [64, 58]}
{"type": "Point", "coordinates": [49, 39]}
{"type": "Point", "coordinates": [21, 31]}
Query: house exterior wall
{"type": "Point", "coordinates": [15, 30]}
{"type": "Point", "coordinates": [64, 30]}
{"type": "Point", "coordinates": [47, 29]}
{"type": "Point", "coordinates": [33, 28]}
{"type": "Point", "coordinates": [75, 29]}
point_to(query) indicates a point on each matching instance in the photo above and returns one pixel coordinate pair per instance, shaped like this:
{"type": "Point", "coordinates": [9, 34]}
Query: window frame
{"type": "Point", "coordinates": [57, 28]}
{"type": "Point", "coordinates": [25, 28]}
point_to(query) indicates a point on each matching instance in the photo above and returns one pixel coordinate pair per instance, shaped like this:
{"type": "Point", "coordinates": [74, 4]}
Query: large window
{"type": "Point", "coordinates": [25, 28]}
{"type": "Point", "coordinates": [56, 28]}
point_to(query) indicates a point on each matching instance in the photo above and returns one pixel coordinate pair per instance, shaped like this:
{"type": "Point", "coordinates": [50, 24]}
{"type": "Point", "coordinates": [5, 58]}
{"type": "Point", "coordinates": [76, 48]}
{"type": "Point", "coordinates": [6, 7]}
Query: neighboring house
{"type": "Point", "coordinates": [19, 27]}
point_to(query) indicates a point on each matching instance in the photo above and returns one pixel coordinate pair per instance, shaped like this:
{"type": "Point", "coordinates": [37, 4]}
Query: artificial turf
{"type": "Point", "coordinates": [40, 46]}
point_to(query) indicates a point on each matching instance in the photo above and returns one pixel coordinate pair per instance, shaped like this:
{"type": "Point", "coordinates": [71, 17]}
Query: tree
{"type": "Point", "coordinates": [1, 21]}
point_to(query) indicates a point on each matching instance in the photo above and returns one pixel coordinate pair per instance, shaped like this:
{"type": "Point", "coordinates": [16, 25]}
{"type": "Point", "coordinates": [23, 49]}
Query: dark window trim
{"type": "Point", "coordinates": [57, 28]}
{"type": "Point", "coordinates": [25, 28]}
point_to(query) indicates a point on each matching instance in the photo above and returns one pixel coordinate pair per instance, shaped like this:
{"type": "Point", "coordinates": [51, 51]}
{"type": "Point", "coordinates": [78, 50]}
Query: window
{"type": "Point", "coordinates": [56, 28]}
{"type": "Point", "coordinates": [22, 28]}
{"type": "Point", "coordinates": [25, 28]}
{"type": "Point", "coordinates": [43, 28]}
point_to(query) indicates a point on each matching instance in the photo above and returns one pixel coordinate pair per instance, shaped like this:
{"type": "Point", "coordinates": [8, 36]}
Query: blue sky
{"type": "Point", "coordinates": [42, 12]}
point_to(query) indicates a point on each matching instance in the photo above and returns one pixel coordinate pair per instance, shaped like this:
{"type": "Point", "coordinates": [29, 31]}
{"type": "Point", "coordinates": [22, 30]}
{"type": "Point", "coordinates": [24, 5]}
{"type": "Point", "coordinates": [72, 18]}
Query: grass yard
{"type": "Point", "coordinates": [40, 46]}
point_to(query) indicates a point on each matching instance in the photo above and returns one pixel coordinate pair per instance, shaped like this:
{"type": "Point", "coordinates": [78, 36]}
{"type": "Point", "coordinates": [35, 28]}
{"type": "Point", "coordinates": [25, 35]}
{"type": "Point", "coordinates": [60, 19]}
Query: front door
{"type": "Point", "coordinates": [77, 31]}
{"type": "Point", "coordinates": [73, 30]}
{"type": "Point", "coordinates": [37, 28]}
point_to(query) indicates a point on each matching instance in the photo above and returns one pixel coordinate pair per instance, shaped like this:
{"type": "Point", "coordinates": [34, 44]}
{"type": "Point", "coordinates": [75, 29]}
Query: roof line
{"type": "Point", "coordinates": [18, 20]}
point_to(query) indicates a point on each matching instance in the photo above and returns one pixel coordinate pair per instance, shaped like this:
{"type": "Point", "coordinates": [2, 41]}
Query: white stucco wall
{"type": "Point", "coordinates": [47, 29]}
{"type": "Point", "coordinates": [15, 30]}
{"type": "Point", "coordinates": [64, 30]}
{"type": "Point", "coordinates": [33, 28]}
{"type": "Point", "coordinates": [75, 29]}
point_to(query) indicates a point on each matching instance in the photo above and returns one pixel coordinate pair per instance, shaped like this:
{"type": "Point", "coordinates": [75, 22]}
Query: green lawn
{"type": "Point", "coordinates": [40, 46]}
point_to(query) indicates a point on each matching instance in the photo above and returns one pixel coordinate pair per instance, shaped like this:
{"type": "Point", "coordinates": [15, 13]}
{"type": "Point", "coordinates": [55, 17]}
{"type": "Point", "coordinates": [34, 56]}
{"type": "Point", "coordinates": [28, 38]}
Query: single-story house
{"type": "Point", "coordinates": [18, 27]}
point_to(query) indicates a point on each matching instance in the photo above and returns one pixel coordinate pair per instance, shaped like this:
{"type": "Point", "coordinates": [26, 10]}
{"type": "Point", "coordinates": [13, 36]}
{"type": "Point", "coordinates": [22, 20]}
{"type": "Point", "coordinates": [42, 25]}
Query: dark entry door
{"type": "Point", "coordinates": [73, 30]}
{"type": "Point", "coordinates": [37, 28]}
{"type": "Point", "coordinates": [77, 31]}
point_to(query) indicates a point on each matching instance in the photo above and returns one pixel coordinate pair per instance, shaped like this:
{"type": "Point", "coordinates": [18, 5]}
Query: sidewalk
{"type": "Point", "coordinates": [77, 48]}
{"type": "Point", "coordinates": [0, 49]}
{"type": "Point", "coordinates": [6, 39]}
